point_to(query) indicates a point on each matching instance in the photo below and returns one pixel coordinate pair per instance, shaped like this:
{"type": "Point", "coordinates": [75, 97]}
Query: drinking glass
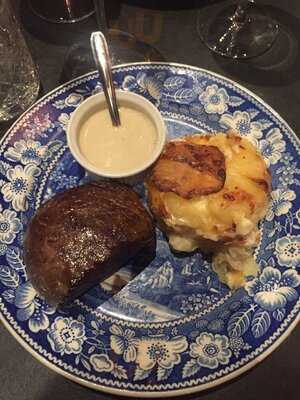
{"type": "Point", "coordinates": [241, 30]}
{"type": "Point", "coordinates": [64, 11]}
{"type": "Point", "coordinates": [123, 48]}
{"type": "Point", "coordinates": [19, 83]}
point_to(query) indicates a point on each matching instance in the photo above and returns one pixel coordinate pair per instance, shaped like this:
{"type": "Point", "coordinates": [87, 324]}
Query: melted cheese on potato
{"type": "Point", "coordinates": [225, 218]}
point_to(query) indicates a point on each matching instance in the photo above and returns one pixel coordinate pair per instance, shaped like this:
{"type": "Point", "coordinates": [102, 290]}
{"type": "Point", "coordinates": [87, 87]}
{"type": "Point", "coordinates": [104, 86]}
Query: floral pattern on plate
{"type": "Point", "coordinates": [172, 326]}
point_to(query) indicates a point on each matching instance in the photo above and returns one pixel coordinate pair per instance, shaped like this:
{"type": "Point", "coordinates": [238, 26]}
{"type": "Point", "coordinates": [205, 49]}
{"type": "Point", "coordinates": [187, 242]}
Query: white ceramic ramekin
{"type": "Point", "coordinates": [92, 104]}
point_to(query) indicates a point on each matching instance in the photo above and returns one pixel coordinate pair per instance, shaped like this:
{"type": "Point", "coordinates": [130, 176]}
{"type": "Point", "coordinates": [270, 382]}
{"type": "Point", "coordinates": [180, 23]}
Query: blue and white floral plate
{"type": "Point", "coordinates": [172, 328]}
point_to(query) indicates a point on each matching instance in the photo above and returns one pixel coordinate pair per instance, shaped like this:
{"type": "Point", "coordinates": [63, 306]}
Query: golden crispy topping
{"type": "Point", "coordinates": [189, 169]}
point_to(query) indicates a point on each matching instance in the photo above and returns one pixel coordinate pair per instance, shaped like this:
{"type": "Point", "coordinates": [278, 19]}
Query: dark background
{"type": "Point", "coordinates": [169, 26]}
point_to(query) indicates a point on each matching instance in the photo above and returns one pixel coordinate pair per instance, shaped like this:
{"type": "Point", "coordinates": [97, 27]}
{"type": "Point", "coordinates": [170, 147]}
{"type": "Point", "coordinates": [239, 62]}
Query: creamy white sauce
{"type": "Point", "coordinates": [118, 149]}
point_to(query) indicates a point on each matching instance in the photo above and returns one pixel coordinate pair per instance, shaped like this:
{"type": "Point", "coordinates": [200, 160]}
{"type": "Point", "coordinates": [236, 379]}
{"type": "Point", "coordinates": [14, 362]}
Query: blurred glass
{"type": "Point", "coordinates": [123, 47]}
{"type": "Point", "coordinates": [239, 30]}
{"type": "Point", "coordinates": [64, 11]}
{"type": "Point", "coordinates": [19, 83]}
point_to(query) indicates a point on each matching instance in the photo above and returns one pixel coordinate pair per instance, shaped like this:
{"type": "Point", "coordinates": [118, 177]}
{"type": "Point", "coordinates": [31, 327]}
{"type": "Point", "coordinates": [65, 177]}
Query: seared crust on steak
{"type": "Point", "coordinates": [83, 235]}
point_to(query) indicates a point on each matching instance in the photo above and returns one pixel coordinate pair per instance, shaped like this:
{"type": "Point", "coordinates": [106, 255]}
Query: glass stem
{"type": "Point", "coordinates": [238, 19]}
{"type": "Point", "coordinates": [240, 15]}
{"type": "Point", "coordinates": [101, 17]}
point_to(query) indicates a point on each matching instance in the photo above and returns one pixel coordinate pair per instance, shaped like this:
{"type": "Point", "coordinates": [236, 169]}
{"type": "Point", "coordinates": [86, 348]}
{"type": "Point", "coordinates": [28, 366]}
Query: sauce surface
{"type": "Point", "coordinates": [117, 149]}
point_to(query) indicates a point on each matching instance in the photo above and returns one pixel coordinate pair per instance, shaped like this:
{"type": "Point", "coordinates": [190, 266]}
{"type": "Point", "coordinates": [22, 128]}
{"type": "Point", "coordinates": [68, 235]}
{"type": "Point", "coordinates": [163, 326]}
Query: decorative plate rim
{"type": "Point", "coordinates": [201, 386]}
{"type": "Point", "coordinates": [167, 393]}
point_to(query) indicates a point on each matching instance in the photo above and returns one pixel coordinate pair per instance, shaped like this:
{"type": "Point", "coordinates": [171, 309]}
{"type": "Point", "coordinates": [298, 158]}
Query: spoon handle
{"type": "Point", "coordinates": [103, 64]}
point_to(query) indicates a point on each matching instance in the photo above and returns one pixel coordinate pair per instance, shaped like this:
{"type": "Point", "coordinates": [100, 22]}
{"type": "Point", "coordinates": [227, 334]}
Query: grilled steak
{"type": "Point", "coordinates": [83, 235]}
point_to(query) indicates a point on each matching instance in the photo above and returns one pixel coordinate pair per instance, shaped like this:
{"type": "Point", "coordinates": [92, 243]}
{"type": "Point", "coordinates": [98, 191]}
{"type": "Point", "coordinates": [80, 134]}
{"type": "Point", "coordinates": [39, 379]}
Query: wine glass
{"type": "Point", "coordinates": [238, 31]}
{"type": "Point", "coordinates": [62, 11]}
{"type": "Point", "coordinates": [123, 47]}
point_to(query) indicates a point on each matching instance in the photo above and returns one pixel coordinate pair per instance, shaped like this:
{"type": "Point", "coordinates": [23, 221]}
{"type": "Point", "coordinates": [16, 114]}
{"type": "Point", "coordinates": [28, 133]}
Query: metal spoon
{"type": "Point", "coordinates": [103, 64]}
